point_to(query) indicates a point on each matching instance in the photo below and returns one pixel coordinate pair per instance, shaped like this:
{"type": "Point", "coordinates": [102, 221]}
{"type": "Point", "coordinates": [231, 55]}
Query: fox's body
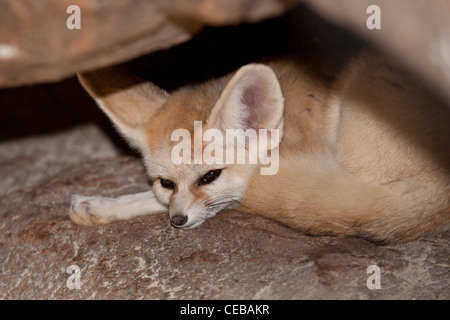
{"type": "Point", "coordinates": [369, 157]}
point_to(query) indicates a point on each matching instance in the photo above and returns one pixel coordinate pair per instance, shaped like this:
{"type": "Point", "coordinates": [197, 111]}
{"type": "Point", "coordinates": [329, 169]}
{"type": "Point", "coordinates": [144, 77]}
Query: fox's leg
{"type": "Point", "coordinates": [88, 211]}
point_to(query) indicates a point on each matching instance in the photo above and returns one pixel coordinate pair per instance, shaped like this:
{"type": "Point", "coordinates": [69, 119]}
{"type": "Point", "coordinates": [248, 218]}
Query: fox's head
{"type": "Point", "coordinates": [163, 126]}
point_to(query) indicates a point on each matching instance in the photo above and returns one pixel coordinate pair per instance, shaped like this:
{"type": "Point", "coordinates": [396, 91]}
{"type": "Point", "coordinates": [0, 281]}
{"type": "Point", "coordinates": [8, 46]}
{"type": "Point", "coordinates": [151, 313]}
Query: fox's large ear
{"type": "Point", "coordinates": [252, 99]}
{"type": "Point", "coordinates": [129, 101]}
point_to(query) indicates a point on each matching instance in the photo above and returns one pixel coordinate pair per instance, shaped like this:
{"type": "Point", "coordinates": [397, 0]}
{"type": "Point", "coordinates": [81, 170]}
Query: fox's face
{"type": "Point", "coordinates": [194, 193]}
{"type": "Point", "coordinates": [172, 132]}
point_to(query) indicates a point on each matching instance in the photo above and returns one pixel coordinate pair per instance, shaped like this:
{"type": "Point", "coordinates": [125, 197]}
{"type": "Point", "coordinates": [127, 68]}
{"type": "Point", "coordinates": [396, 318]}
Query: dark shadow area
{"type": "Point", "coordinates": [47, 108]}
{"type": "Point", "coordinates": [214, 52]}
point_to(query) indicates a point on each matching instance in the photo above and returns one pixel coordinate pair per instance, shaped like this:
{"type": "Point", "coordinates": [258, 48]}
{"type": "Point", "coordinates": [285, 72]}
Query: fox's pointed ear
{"type": "Point", "coordinates": [129, 101]}
{"type": "Point", "coordinates": [252, 99]}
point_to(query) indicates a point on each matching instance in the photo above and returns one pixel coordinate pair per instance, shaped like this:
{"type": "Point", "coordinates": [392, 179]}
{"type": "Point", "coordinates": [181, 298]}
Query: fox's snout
{"type": "Point", "coordinates": [179, 220]}
{"type": "Point", "coordinates": [181, 205]}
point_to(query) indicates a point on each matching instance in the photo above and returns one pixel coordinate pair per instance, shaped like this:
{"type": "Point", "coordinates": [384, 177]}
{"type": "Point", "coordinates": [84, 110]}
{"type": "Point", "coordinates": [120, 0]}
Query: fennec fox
{"type": "Point", "coordinates": [368, 157]}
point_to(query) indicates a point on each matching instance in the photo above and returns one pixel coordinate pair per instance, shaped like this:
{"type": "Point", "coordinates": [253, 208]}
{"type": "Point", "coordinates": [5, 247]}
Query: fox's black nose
{"type": "Point", "coordinates": [178, 220]}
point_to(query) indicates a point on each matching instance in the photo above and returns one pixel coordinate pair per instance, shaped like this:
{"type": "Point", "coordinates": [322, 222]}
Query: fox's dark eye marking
{"type": "Point", "coordinates": [209, 177]}
{"type": "Point", "coordinates": [165, 183]}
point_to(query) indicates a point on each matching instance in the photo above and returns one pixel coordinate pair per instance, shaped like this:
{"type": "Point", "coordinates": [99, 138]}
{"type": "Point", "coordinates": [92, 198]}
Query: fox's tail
{"type": "Point", "coordinates": [325, 199]}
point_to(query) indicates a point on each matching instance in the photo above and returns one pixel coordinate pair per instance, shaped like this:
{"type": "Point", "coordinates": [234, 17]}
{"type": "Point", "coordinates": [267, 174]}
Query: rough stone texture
{"type": "Point", "coordinates": [54, 142]}
{"type": "Point", "coordinates": [36, 45]}
{"type": "Point", "coordinates": [233, 256]}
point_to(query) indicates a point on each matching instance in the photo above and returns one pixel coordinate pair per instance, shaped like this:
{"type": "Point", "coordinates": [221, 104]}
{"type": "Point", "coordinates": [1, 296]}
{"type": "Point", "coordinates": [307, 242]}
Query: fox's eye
{"type": "Point", "coordinates": [209, 177]}
{"type": "Point", "coordinates": [165, 183]}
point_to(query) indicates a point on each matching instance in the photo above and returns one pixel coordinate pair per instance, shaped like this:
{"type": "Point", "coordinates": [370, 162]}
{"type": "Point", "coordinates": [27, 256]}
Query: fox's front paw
{"type": "Point", "coordinates": [87, 211]}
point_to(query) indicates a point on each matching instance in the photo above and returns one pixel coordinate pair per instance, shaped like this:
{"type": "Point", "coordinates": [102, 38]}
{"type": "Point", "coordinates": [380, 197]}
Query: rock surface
{"type": "Point", "coordinates": [37, 46]}
{"type": "Point", "coordinates": [416, 31]}
{"type": "Point", "coordinates": [232, 256]}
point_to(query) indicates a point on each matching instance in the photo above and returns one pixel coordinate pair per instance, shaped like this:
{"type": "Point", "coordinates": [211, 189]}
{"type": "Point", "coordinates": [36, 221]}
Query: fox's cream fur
{"type": "Point", "coordinates": [368, 157]}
